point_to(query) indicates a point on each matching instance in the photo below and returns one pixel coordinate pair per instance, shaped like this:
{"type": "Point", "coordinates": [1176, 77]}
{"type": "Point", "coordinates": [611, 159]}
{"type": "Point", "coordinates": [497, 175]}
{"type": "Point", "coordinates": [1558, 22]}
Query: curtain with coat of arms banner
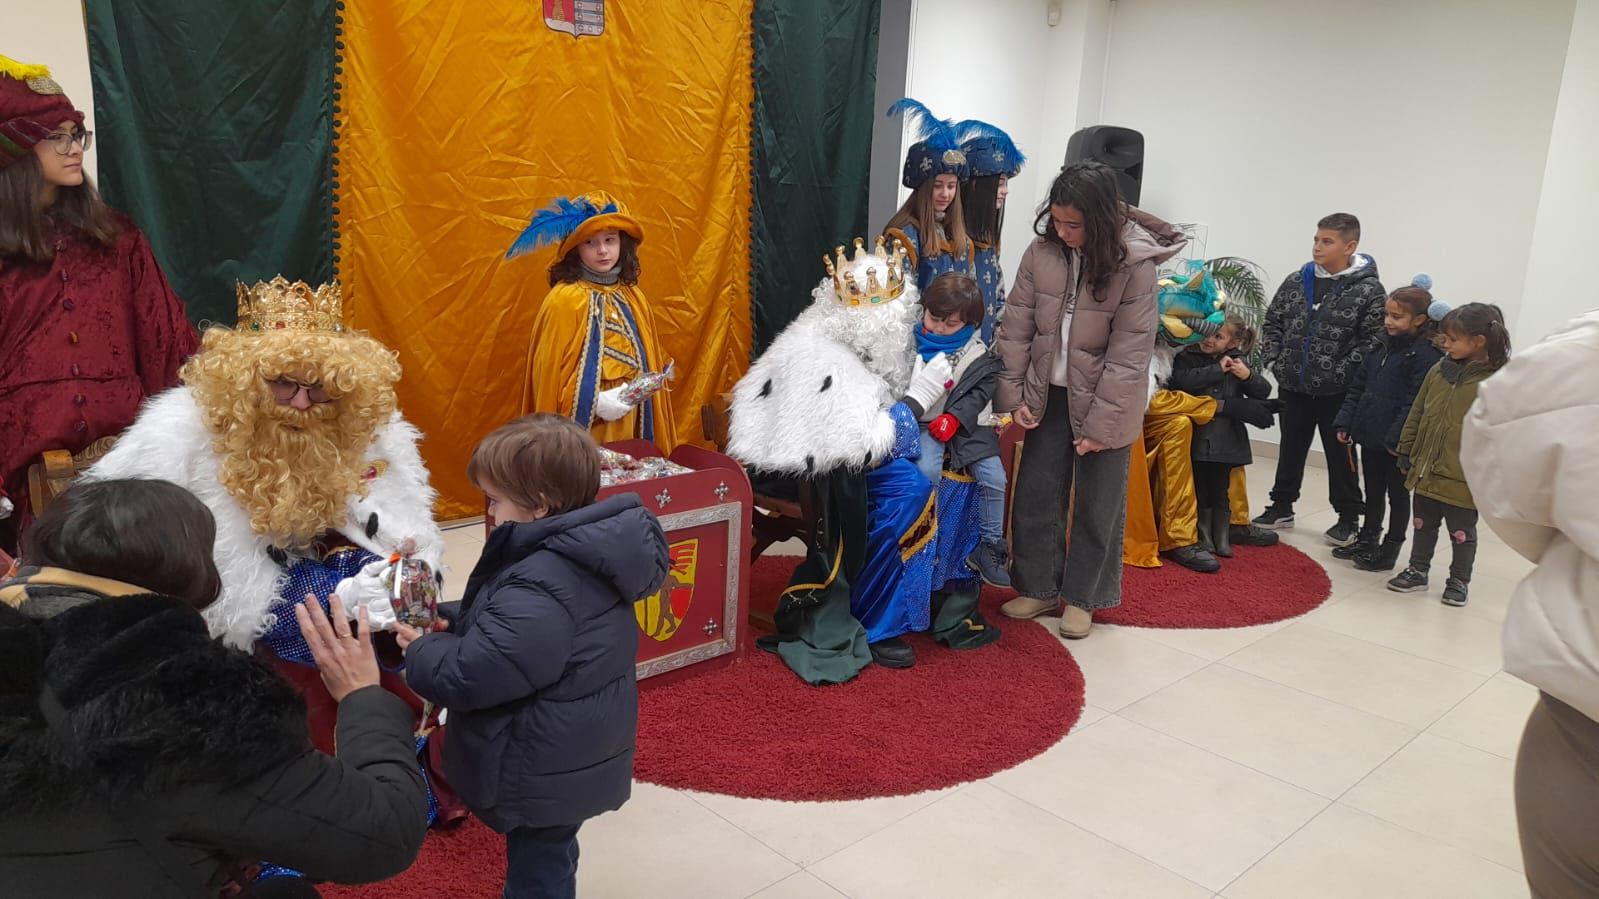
{"type": "Point", "coordinates": [401, 145]}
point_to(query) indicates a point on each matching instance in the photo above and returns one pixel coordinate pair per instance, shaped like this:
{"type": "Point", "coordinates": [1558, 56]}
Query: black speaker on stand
{"type": "Point", "coordinates": [1120, 148]}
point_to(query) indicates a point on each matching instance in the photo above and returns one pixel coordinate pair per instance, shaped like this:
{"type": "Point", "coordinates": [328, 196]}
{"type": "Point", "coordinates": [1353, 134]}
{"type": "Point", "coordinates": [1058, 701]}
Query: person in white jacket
{"type": "Point", "coordinates": [1529, 455]}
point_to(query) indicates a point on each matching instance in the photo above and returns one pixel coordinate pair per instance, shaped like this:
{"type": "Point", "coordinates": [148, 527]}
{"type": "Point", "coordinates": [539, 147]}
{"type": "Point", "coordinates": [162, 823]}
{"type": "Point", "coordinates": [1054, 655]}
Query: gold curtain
{"type": "Point", "coordinates": [458, 120]}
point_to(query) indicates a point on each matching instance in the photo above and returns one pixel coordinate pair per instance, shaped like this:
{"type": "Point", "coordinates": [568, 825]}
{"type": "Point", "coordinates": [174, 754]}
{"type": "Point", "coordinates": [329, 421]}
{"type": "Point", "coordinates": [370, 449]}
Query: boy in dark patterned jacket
{"type": "Point", "coordinates": [1320, 325]}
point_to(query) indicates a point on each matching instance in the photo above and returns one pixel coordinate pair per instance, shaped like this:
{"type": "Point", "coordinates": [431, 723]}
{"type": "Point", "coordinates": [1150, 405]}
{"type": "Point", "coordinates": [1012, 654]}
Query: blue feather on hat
{"type": "Point", "coordinates": [554, 223]}
{"type": "Point", "coordinates": [975, 130]}
{"type": "Point", "coordinates": [940, 134]}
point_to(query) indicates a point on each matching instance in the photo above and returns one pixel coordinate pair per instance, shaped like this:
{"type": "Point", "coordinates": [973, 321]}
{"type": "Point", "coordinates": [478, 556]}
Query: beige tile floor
{"type": "Point", "coordinates": [1362, 751]}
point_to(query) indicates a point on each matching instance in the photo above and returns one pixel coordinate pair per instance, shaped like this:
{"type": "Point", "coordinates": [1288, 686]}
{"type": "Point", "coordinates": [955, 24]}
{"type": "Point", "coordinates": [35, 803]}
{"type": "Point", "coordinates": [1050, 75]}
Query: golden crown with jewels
{"type": "Point", "coordinates": [850, 292]}
{"type": "Point", "coordinates": [279, 305]}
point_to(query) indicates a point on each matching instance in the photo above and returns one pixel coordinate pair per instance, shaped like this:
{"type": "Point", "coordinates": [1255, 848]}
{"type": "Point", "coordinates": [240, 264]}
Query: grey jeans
{"type": "Point", "coordinates": [1085, 571]}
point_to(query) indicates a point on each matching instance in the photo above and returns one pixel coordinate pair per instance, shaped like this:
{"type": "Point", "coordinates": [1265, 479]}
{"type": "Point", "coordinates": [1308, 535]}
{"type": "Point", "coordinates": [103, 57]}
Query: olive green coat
{"type": "Point", "coordinates": [1431, 438]}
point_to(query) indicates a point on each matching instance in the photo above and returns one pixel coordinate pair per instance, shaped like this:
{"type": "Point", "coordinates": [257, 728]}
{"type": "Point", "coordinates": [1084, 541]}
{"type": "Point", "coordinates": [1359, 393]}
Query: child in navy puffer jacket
{"type": "Point", "coordinates": [1374, 413]}
{"type": "Point", "coordinates": [538, 672]}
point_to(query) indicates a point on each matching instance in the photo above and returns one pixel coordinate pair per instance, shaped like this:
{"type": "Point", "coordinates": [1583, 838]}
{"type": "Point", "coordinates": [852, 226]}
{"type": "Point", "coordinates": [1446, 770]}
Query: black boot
{"type": "Point", "coordinates": [1221, 525]}
{"type": "Point", "coordinates": [1365, 544]}
{"type": "Point", "coordinates": [1205, 535]}
{"type": "Point", "coordinates": [1384, 557]}
{"type": "Point", "coordinates": [893, 653]}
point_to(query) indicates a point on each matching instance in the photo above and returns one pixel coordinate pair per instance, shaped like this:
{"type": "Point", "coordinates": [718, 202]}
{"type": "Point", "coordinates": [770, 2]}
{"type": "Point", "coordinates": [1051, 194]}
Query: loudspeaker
{"type": "Point", "coordinates": [1120, 148]}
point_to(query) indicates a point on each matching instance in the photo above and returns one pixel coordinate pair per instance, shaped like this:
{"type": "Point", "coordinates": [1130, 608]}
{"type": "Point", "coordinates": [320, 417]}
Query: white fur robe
{"type": "Point", "coordinates": [817, 400]}
{"type": "Point", "coordinates": [169, 441]}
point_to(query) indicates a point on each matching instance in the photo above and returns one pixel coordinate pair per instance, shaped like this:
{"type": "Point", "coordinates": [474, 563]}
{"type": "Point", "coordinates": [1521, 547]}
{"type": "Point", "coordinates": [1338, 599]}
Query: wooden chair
{"type": "Point", "coordinates": [57, 469]}
{"type": "Point", "coordinates": [776, 519]}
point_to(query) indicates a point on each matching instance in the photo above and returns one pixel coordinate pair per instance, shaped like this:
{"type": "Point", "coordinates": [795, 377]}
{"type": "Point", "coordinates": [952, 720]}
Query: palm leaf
{"type": "Point", "coordinates": [1244, 282]}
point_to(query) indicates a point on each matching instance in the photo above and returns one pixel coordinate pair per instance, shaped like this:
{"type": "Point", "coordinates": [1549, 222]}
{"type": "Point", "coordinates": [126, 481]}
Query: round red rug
{"type": "Point", "coordinates": [754, 729]}
{"type": "Point", "coordinates": [1257, 586]}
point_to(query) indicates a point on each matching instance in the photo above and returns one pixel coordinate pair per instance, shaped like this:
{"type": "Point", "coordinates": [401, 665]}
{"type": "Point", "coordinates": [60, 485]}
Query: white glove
{"type": "Point", "coordinates": [928, 380]}
{"type": "Point", "coordinates": [608, 404]}
{"type": "Point", "coordinates": [368, 589]}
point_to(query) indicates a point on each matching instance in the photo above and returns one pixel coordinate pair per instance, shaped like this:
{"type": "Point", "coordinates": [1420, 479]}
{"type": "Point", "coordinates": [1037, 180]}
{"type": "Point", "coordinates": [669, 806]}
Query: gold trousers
{"type": "Point", "coordinates": [1162, 512]}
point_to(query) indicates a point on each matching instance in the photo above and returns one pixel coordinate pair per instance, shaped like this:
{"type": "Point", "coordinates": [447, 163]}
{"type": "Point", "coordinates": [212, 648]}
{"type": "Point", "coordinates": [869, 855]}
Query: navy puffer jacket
{"type": "Point", "coordinates": [1383, 388]}
{"type": "Point", "coordinates": [537, 674]}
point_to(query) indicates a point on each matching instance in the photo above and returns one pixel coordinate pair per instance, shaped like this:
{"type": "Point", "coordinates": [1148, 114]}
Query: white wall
{"type": "Point", "coordinates": [51, 32]}
{"type": "Point", "coordinates": [1559, 265]}
{"type": "Point", "coordinates": [1429, 119]}
{"type": "Point", "coordinates": [1007, 66]}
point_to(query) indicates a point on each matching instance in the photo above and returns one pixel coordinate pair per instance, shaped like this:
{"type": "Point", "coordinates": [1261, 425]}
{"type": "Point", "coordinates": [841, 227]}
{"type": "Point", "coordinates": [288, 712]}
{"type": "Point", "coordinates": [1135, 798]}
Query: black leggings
{"type": "Point", "coordinates": [1384, 481]}
{"type": "Point", "coordinates": [1211, 480]}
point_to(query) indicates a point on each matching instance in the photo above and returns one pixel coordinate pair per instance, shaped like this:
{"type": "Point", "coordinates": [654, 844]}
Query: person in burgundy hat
{"type": "Point", "coordinates": [89, 326]}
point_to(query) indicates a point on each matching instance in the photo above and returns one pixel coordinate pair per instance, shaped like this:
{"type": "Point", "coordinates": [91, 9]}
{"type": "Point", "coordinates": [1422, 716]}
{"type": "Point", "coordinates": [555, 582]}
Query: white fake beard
{"type": "Point", "coordinates": [882, 336]}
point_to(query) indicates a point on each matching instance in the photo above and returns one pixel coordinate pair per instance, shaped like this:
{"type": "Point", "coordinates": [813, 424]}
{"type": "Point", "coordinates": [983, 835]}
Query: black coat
{"type": "Point", "coordinates": [204, 747]}
{"type": "Point", "coordinates": [539, 677]}
{"type": "Point", "coordinates": [1223, 440]}
{"type": "Point", "coordinates": [1380, 395]}
{"type": "Point", "coordinates": [1318, 330]}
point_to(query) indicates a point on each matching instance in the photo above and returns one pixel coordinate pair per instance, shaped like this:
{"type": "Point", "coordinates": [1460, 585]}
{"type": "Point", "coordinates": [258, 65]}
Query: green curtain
{"type": "Point", "coordinates": [815, 77]}
{"type": "Point", "coordinates": [215, 127]}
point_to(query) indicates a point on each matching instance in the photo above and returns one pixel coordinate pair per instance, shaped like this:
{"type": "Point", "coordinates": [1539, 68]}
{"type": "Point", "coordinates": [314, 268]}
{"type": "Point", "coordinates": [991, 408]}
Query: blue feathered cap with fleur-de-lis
{"type": "Point", "coordinates": [572, 220]}
{"type": "Point", "coordinates": [937, 150]}
{"type": "Point", "coordinates": [989, 151]}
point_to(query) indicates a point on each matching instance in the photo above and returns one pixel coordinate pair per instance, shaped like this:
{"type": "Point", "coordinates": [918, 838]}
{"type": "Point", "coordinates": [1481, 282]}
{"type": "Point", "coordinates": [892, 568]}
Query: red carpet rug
{"type": "Point", "coordinates": [1257, 586]}
{"type": "Point", "coordinates": [754, 729]}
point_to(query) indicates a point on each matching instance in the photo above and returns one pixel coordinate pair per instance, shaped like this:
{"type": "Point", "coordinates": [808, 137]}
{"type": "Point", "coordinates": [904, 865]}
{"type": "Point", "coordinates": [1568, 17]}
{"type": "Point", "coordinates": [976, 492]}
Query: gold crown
{"type": "Point", "coordinates": [278, 305]}
{"type": "Point", "coordinates": [850, 292]}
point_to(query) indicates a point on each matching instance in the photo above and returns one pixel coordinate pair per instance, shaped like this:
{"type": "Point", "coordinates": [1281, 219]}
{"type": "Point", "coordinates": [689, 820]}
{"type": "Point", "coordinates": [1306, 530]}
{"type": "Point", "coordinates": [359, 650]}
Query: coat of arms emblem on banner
{"type": "Point", "coordinates": [578, 18]}
{"type": "Point", "coordinates": [661, 613]}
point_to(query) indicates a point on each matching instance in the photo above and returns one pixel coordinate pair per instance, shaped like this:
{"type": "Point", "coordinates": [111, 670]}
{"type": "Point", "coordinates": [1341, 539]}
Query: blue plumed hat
{"type": "Point", "coordinates": [937, 150]}
{"type": "Point", "coordinates": [989, 151]}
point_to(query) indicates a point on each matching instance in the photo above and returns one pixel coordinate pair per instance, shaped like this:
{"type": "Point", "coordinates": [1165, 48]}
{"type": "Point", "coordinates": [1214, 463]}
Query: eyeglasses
{"type": "Point", "coordinates": [63, 140]}
{"type": "Point", "coordinates": [286, 389]}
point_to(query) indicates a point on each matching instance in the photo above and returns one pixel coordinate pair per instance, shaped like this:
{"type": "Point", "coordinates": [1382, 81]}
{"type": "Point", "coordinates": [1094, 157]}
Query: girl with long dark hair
{"type": "Point", "coordinates": [91, 326]}
{"type": "Point", "coordinates": [994, 160]}
{"type": "Point", "coordinates": [1075, 342]}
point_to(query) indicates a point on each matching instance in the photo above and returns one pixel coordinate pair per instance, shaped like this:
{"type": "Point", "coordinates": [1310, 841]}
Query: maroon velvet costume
{"type": "Point", "coordinates": [83, 340]}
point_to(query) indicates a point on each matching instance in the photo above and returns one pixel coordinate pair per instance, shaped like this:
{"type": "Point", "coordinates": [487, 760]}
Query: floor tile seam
{"type": "Point", "coordinates": [1429, 836]}
{"type": "Point", "coordinates": [1390, 720]}
{"type": "Point", "coordinates": [746, 832]}
{"type": "Point", "coordinates": [1245, 765]}
{"type": "Point", "coordinates": [1256, 863]}
{"type": "Point", "coordinates": [1406, 652]}
{"type": "Point", "coordinates": [1088, 830]}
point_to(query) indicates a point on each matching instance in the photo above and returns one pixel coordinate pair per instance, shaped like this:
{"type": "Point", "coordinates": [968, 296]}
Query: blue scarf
{"type": "Point", "coordinates": [930, 345]}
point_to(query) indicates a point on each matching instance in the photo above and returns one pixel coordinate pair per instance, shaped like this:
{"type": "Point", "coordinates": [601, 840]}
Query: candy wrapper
{"type": "Point", "coordinates": [647, 385]}
{"type": "Point", "coordinates": [620, 468]}
{"type": "Point", "coordinates": [413, 589]}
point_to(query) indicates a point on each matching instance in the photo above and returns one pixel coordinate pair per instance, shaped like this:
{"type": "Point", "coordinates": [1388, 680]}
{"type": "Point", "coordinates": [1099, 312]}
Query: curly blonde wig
{"type": "Point", "coordinates": [293, 470]}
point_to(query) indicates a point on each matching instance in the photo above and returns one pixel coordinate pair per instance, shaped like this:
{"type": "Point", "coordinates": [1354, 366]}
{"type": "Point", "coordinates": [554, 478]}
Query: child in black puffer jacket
{"type": "Point", "coordinates": [1216, 367]}
{"type": "Point", "coordinates": [1374, 413]}
{"type": "Point", "coordinates": [537, 669]}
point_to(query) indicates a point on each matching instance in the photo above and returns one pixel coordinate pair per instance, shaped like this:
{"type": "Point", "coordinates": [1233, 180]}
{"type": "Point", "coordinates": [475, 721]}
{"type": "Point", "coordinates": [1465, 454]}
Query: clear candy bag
{"type": "Point", "coordinates": [413, 590]}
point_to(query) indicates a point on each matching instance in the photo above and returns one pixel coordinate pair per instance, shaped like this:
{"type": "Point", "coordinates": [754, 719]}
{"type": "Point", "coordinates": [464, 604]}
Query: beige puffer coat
{"type": "Point", "coordinates": [1529, 455]}
{"type": "Point", "coordinates": [1112, 334]}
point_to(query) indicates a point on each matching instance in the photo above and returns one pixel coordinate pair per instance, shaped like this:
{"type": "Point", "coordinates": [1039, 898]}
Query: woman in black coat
{"type": "Point", "coordinates": [1217, 367]}
{"type": "Point", "coordinates": [139, 757]}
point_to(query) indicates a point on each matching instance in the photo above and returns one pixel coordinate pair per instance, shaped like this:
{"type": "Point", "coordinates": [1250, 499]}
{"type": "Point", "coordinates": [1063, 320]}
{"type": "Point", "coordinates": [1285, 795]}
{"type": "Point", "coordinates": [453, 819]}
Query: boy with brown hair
{"type": "Point", "coordinates": [952, 387]}
{"type": "Point", "coordinates": [537, 672]}
{"type": "Point", "coordinates": [1320, 325]}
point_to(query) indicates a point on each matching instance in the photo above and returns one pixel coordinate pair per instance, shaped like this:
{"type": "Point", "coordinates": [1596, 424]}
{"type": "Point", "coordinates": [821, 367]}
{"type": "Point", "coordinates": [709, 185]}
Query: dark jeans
{"type": "Point", "coordinates": [1302, 416]}
{"type": "Point", "coordinates": [1384, 481]}
{"type": "Point", "coordinates": [541, 862]}
{"type": "Point", "coordinates": [1462, 524]}
{"type": "Point", "coordinates": [1211, 480]}
{"type": "Point", "coordinates": [1087, 571]}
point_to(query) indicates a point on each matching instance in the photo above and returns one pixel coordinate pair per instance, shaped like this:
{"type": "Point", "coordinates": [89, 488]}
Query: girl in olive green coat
{"type": "Point", "coordinates": [1475, 345]}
